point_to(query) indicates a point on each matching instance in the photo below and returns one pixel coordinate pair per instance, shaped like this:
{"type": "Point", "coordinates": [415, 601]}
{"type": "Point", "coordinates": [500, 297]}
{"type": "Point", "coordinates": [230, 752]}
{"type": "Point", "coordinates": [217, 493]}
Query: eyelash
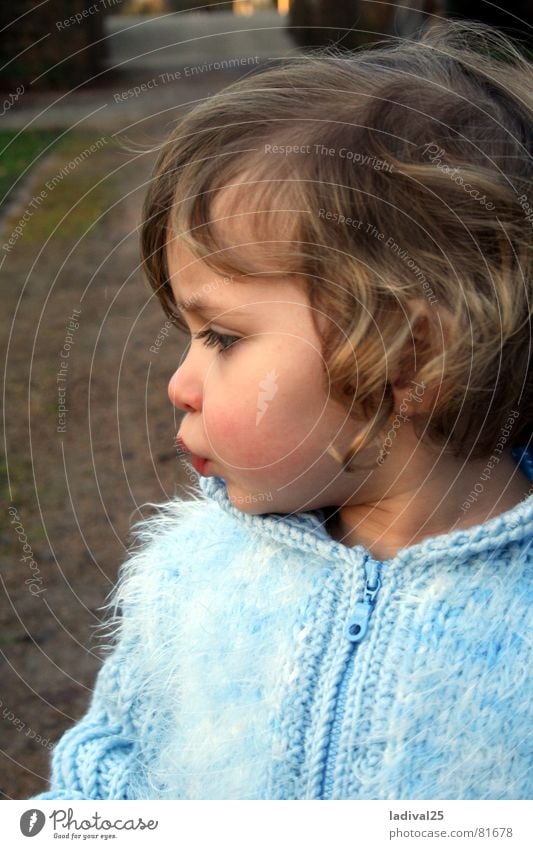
{"type": "Point", "coordinates": [217, 340]}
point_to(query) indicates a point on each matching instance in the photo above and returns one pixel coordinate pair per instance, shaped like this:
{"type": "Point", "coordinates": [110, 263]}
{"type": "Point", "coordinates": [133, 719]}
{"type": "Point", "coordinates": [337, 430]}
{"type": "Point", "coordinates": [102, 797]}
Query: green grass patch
{"type": "Point", "coordinates": [78, 189]}
{"type": "Point", "coordinates": [74, 191]}
{"type": "Point", "coordinates": [20, 151]}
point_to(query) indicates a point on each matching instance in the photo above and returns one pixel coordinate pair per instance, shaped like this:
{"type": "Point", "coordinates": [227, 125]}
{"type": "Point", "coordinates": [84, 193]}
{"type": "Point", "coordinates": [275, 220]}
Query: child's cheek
{"type": "Point", "coordinates": [230, 431]}
{"type": "Point", "coordinates": [244, 435]}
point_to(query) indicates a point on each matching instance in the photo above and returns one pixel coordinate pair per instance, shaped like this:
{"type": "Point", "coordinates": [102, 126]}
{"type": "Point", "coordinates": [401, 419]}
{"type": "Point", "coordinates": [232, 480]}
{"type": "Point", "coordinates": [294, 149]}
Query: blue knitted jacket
{"type": "Point", "coordinates": [257, 658]}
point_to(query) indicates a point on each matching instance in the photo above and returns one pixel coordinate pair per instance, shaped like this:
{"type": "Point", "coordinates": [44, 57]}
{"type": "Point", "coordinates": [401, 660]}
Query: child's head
{"type": "Point", "coordinates": [373, 215]}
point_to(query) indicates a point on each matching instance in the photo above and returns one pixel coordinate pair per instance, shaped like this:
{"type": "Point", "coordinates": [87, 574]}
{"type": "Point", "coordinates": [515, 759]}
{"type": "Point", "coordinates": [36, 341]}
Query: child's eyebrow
{"type": "Point", "coordinates": [206, 310]}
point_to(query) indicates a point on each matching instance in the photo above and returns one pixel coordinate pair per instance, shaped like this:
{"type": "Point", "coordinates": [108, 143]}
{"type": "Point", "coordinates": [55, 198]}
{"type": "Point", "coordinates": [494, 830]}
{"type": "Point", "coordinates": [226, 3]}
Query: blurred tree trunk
{"type": "Point", "coordinates": [347, 24]}
{"type": "Point", "coordinates": [350, 23]}
{"type": "Point", "coordinates": [302, 22]}
{"type": "Point", "coordinates": [65, 52]}
{"type": "Point", "coordinates": [514, 19]}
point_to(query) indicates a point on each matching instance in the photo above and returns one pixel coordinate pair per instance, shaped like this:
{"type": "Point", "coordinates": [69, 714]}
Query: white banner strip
{"type": "Point", "coordinates": [270, 825]}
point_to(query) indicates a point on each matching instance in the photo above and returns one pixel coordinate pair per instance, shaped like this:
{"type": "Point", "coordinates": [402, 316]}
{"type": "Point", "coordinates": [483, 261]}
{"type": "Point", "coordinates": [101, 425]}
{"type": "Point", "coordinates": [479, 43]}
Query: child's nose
{"type": "Point", "coordinates": [185, 391]}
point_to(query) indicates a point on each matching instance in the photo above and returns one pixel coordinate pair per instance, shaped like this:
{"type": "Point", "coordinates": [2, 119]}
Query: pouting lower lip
{"type": "Point", "coordinates": [199, 463]}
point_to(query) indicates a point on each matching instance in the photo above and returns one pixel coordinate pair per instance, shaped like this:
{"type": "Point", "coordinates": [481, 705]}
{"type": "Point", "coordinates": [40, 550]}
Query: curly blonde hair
{"type": "Point", "coordinates": [388, 178]}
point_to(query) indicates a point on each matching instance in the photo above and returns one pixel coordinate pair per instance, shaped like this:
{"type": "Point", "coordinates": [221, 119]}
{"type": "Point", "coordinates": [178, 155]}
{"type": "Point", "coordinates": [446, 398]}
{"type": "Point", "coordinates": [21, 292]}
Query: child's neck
{"type": "Point", "coordinates": [412, 511]}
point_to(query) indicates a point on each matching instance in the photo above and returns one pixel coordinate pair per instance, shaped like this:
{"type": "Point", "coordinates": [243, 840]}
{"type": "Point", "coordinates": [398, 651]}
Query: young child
{"type": "Point", "coordinates": [343, 609]}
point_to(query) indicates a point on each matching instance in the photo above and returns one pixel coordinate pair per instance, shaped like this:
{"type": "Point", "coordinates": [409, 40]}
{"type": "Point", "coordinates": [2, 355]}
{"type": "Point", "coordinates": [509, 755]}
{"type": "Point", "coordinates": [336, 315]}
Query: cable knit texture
{"type": "Point", "coordinates": [229, 673]}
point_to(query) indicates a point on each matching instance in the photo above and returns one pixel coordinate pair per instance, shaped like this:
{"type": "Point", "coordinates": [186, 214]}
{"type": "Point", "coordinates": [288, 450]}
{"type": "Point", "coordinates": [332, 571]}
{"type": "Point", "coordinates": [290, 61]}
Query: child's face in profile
{"type": "Point", "coordinates": [253, 388]}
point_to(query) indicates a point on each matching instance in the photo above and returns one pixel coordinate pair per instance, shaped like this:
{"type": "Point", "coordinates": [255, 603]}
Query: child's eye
{"type": "Point", "coordinates": [211, 338]}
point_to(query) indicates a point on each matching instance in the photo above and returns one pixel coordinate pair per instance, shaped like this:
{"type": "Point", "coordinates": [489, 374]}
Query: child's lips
{"type": "Point", "coordinates": [199, 463]}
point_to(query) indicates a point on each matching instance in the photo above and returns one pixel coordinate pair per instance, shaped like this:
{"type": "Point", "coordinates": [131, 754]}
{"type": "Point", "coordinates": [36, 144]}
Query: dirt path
{"type": "Point", "coordinates": [88, 426]}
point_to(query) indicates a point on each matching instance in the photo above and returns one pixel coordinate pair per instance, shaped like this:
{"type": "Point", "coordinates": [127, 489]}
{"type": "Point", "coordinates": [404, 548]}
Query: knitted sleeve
{"type": "Point", "coordinates": [97, 758]}
{"type": "Point", "coordinates": [105, 755]}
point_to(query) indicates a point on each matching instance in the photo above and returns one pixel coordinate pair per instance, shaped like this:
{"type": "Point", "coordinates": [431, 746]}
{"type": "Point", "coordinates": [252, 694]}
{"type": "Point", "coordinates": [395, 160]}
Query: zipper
{"type": "Point", "coordinates": [354, 631]}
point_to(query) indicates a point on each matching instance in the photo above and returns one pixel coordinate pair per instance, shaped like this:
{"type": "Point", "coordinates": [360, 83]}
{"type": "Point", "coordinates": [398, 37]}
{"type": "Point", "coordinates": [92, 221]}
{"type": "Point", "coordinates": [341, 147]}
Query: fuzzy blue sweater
{"type": "Point", "coordinates": [257, 658]}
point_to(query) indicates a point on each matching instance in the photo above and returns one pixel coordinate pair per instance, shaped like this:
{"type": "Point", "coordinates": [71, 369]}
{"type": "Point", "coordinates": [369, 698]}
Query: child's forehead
{"type": "Point", "coordinates": [252, 207]}
{"type": "Point", "coordinates": [248, 220]}
{"type": "Point", "coordinates": [195, 284]}
{"type": "Point", "coordinates": [234, 198]}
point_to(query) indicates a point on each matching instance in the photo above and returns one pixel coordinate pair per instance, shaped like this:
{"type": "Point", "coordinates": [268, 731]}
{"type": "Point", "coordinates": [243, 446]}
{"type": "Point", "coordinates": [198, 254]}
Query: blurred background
{"type": "Point", "coordinates": [88, 90]}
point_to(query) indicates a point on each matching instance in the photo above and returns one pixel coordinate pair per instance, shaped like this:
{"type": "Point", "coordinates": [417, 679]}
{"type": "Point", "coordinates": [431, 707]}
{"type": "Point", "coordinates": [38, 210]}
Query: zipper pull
{"type": "Point", "coordinates": [357, 625]}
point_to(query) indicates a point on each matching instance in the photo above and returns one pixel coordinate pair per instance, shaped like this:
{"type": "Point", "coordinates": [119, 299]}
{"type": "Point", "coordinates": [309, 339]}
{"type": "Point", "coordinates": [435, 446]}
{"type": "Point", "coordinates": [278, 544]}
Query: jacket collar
{"type": "Point", "coordinates": [307, 532]}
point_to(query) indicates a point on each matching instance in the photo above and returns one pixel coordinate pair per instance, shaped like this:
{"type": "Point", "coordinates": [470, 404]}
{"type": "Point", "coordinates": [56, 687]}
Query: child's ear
{"type": "Point", "coordinates": [412, 397]}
